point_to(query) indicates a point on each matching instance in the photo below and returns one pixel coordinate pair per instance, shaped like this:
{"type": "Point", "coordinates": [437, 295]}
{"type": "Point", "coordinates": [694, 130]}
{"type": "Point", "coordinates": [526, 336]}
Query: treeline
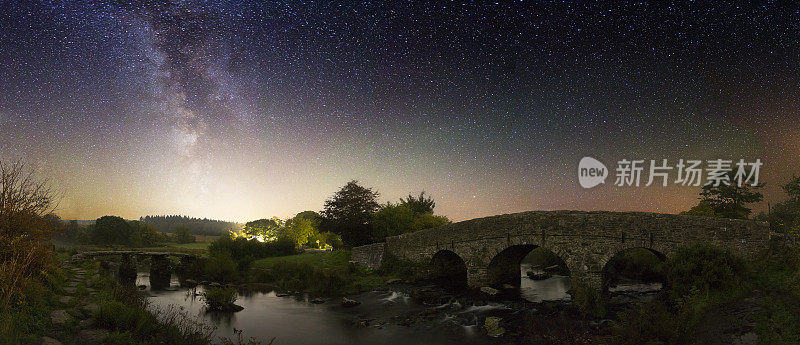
{"type": "Point", "coordinates": [113, 230]}
{"type": "Point", "coordinates": [351, 217]}
{"type": "Point", "coordinates": [197, 226]}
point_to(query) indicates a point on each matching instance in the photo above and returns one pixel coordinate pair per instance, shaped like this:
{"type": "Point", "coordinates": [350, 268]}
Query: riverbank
{"type": "Point", "coordinates": [322, 273]}
{"type": "Point", "coordinates": [79, 304]}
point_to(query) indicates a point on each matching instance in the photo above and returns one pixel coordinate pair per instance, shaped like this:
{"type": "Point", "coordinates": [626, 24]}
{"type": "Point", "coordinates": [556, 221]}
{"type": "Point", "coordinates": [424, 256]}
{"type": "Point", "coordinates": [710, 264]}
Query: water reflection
{"type": "Point", "coordinates": [551, 289]}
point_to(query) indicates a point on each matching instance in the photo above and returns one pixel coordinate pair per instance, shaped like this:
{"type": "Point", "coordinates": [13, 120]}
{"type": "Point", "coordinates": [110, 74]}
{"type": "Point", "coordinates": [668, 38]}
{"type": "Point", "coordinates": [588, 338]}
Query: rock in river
{"type": "Point", "coordinates": [492, 326]}
{"type": "Point", "coordinates": [346, 302]}
{"type": "Point", "coordinates": [318, 300]}
{"type": "Point", "coordinates": [489, 291]}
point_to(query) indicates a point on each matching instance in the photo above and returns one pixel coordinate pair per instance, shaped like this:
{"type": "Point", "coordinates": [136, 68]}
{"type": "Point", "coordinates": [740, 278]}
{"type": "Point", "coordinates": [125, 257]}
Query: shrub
{"type": "Point", "coordinates": [704, 267]}
{"type": "Point", "coordinates": [242, 248]}
{"type": "Point", "coordinates": [648, 323]}
{"type": "Point", "coordinates": [221, 266]}
{"type": "Point", "coordinates": [220, 298]}
{"type": "Point", "coordinates": [302, 276]}
{"type": "Point", "coordinates": [588, 299]}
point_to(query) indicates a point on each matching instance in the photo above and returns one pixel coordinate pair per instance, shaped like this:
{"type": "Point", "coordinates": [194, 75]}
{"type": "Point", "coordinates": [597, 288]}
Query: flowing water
{"type": "Point", "coordinates": [384, 317]}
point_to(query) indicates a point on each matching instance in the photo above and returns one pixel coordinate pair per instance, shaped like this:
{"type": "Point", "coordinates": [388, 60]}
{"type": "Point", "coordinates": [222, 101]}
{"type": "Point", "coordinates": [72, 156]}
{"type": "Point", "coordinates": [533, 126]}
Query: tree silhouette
{"type": "Point", "coordinates": [348, 213]}
{"type": "Point", "coordinates": [729, 200]}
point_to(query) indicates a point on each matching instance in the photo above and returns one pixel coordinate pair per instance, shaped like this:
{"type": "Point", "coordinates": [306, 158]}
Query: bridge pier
{"type": "Point", "coordinates": [477, 277]}
{"type": "Point", "coordinates": [127, 269]}
{"type": "Point", "coordinates": [160, 271]}
{"type": "Point", "coordinates": [592, 280]}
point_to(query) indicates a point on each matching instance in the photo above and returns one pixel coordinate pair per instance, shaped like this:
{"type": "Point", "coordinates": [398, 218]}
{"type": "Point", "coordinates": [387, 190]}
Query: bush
{"type": "Point", "coordinates": [220, 298]}
{"type": "Point", "coordinates": [302, 276]}
{"type": "Point", "coordinates": [648, 323]}
{"type": "Point", "coordinates": [703, 267]}
{"type": "Point", "coordinates": [228, 257]}
{"type": "Point", "coordinates": [242, 248]}
{"type": "Point", "coordinates": [588, 299]}
{"type": "Point", "coordinates": [220, 266]}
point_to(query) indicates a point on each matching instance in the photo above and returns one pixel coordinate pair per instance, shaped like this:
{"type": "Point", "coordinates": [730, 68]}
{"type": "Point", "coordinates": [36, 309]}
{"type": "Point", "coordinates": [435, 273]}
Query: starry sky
{"type": "Point", "coordinates": [243, 110]}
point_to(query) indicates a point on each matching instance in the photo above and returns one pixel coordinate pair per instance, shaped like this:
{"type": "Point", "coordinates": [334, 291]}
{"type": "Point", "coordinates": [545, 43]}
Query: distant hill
{"type": "Point", "coordinates": [197, 226]}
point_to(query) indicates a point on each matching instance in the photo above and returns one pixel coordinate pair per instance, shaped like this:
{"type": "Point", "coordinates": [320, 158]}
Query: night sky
{"type": "Point", "coordinates": [240, 111]}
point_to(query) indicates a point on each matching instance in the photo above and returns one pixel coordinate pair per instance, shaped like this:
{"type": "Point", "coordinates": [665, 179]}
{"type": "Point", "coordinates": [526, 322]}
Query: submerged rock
{"type": "Point", "coordinates": [318, 300]}
{"type": "Point", "coordinates": [538, 275]}
{"type": "Point", "coordinates": [492, 326]}
{"type": "Point", "coordinates": [346, 302]}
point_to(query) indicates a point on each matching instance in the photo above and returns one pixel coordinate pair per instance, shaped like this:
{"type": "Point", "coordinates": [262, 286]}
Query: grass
{"type": "Point", "coordinates": [196, 245]}
{"type": "Point", "coordinates": [323, 273]}
{"type": "Point", "coordinates": [331, 259]}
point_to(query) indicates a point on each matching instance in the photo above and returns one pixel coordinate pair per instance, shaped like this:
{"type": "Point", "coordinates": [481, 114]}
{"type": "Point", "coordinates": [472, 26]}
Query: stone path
{"type": "Point", "coordinates": [87, 332]}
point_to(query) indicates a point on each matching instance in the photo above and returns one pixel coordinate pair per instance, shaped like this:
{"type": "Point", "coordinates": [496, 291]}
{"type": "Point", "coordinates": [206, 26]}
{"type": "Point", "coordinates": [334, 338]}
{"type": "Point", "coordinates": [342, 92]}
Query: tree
{"type": "Point", "coordinates": [730, 200]}
{"type": "Point", "coordinates": [420, 204]}
{"type": "Point", "coordinates": [392, 220]}
{"type": "Point", "coordinates": [111, 230]}
{"type": "Point", "coordinates": [25, 231]}
{"type": "Point", "coordinates": [348, 213]}
{"type": "Point", "coordinates": [703, 208]}
{"type": "Point", "coordinates": [785, 215]}
{"type": "Point", "coordinates": [25, 200]}
{"type": "Point", "coordinates": [300, 228]}
{"type": "Point", "coordinates": [265, 229]}
{"type": "Point", "coordinates": [400, 218]}
{"type": "Point", "coordinates": [183, 235]}
{"type": "Point", "coordinates": [428, 220]}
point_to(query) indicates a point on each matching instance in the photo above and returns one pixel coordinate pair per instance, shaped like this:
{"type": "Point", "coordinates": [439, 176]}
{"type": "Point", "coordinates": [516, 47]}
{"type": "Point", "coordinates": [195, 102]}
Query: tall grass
{"type": "Point", "coordinates": [128, 312]}
{"type": "Point", "coordinates": [317, 280]}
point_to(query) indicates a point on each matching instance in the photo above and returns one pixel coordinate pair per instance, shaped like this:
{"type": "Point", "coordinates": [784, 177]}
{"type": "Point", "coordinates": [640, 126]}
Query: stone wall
{"type": "Point", "coordinates": [370, 255]}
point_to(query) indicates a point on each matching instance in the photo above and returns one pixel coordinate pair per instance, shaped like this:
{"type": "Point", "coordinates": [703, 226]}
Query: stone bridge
{"type": "Point", "coordinates": [488, 251]}
{"type": "Point", "coordinates": [160, 265]}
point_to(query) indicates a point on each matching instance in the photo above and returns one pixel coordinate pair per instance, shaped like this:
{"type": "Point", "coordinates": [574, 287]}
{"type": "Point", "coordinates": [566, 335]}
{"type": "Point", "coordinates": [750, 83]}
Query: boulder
{"type": "Point", "coordinates": [318, 300]}
{"type": "Point", "coordinates": [394, 281]}
{"type": "Point", "coordinates": [489, 291]}
{"type": "Point", "coordinates": [492, 326]}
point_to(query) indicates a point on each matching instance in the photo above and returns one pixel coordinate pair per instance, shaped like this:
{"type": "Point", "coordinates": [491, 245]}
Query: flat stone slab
{"type": "Point", "coordinates": [92, 336]}
{"type": "Point", "coordinates": [50, 341]}
{"type": "Point", "coordinates": [86, 323]}
{"type": "Point", "coordinates": [72, 284]}
{"type": "Point", "coordinates": [70, 289]}
{"type": "Point", "coordinates": [91, 307]}
{"type": "Point", "coordinates": [59, 317]}
{"type": "Point", "coordinates": [65, 299]}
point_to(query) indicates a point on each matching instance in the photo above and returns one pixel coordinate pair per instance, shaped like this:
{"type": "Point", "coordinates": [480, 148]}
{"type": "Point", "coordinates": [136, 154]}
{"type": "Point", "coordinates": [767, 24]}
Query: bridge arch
{"type": "Point", "coordinates": [505, 266]}
{"type": "Point", "coordinates": [449, 268]}
{"type": "Point", "coordinates": [639, 263]}
{"type": "Point", "coordinates": [585, 240]}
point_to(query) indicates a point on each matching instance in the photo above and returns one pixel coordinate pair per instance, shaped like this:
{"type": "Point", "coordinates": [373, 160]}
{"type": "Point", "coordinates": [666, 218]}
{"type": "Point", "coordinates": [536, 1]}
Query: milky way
{"type": "Point", "coordinates": [242, 110]}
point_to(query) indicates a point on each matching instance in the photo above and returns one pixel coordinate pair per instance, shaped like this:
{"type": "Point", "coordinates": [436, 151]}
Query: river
{"type": "Point", "coordinates": [388, 316]}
